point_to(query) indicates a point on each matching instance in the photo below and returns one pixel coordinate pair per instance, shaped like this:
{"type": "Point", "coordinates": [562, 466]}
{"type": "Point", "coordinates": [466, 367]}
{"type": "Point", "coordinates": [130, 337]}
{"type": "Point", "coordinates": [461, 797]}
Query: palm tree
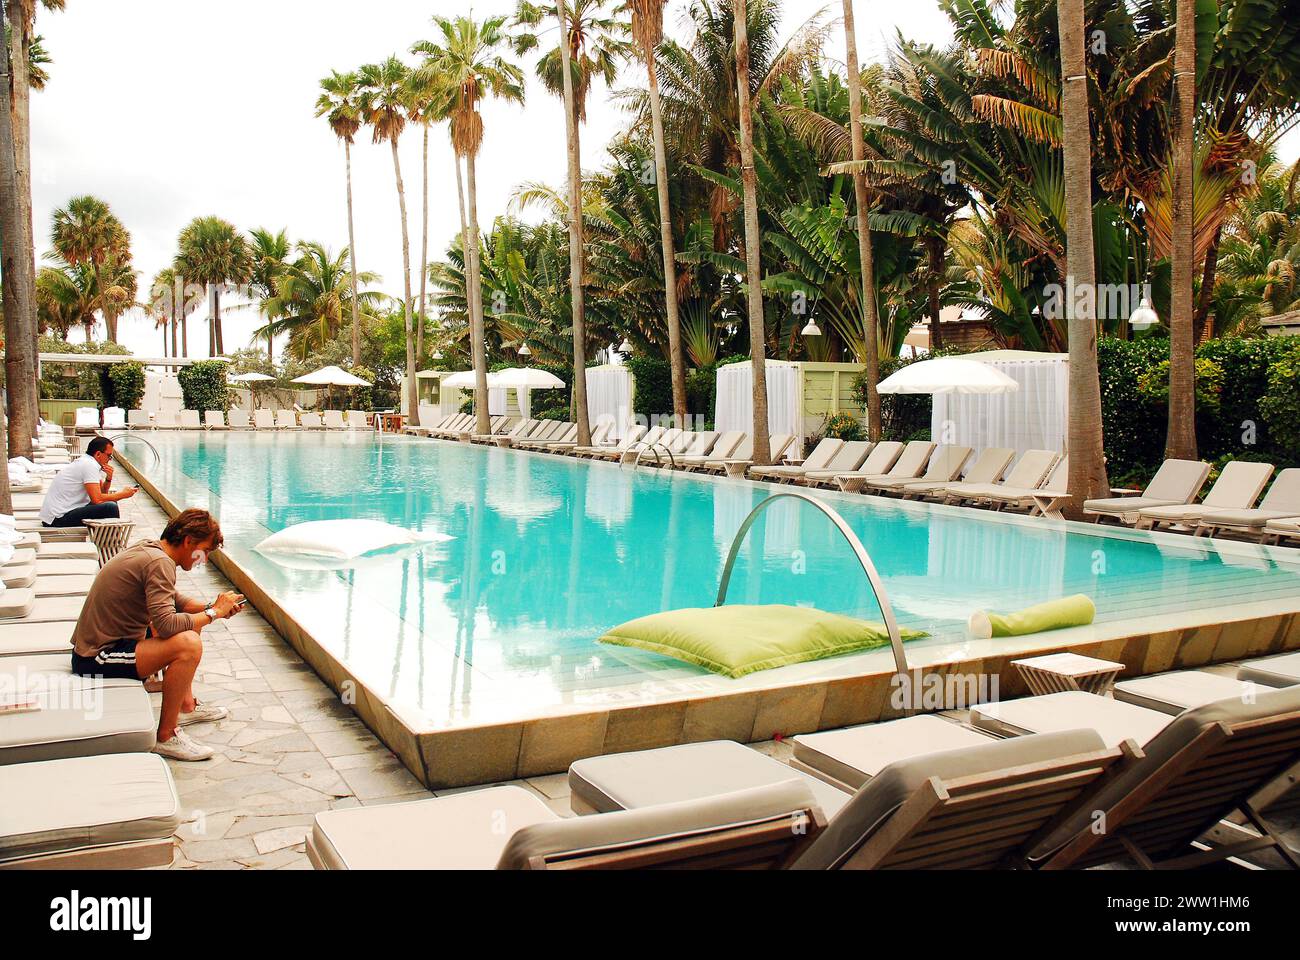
{"type": "Point", "coordinates": [467, 67]}
{"type": "Point", "coordinates": [753, 240]}
{"type": "Point", "coordinates": [313, 298]}
{"type": "Point", "coordinates": [590, 46]}
{"type": "Point", "coordinates": [63, 299]}
{"type": "Point", "coordinates": [86, 231]}
{"type": "Point", "coordinates": [1180, 440]}
{"type": "Point", "coordinates": [339, 103]}
{"type": "Point", "coordinates": [270, 252]}
{"type": "Point", "coordinates": [210, 251]}
{"type": "Point", "coordinates": [1087, 458]}
{"type": "Point", "coordinates": [385, 105]}
{"type": "Point", "coordinates": [870, 321]}
{"type": "Point", "coordinates": [648, 33]}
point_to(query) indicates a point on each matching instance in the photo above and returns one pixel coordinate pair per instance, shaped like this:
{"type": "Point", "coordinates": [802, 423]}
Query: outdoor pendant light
{"type": "Point", "coordinates": [1143, 318]}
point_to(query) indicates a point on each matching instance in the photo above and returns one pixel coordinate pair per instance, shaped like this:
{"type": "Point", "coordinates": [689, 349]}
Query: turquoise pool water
{"type": "Point", "coordinates": [548, 552]}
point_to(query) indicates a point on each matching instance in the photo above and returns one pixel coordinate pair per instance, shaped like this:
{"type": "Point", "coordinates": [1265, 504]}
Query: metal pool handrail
{"type": "Point", "coordinates": [655, 448]}
{"type": "Point", "coordinates": [868, 568]}
{"type": "Point", "coordinates": [157, 458]}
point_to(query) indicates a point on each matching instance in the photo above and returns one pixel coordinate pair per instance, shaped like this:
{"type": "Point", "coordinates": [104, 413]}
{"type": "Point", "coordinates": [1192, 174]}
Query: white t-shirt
{"type": "Point", "coordinates": [68, 489]}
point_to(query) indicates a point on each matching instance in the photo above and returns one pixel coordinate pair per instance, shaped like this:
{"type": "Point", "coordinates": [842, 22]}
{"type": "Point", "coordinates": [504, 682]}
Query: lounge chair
{"type": "Point", "coordinates": [1276, 531]}
{"type": "Point", "coordinates": [568, 432]}
{"type": "Point", "coordinates": [649, 446]}
{"type": "Point", "coordinates": [723, 446]}
{"type": "Point", "coordinates": [635, 435]}
{"type": "Point", "coordinates": [1177, 482]}
{"type": "Point", "coordinates": [742, 458]}
{"type": "Point", "coordinates": [850, 456]}
{"type": "Point", "coordinates": [286, 420]}
{"type": "Point", "coordinates": [981, 806]}
{"type": "Point", "coordinates": [818, 459]}
{"type": "Point", "coordinates": [1283, 671]}
{"type": "Point", "coordinates": [356, 420]}
{"type": "Point", "coordinates": [1180, 690]}
{"type": "Point", "coordinates": [908, 466]}
{"type": "Point", "coordinates": [766, 827]}
{"type": "Point", "coordinates": [312, 421]}
{"type": "Point", "coordinates": [87, 420]}
{"type": "Point", "coordinates": [882, 457]}
{"type": "Point", "coordinates": [1022, 480]}
{"type": "Point", "coordinates": [987, 468]}
{"type": "Point", "coordinates": [454, 427]}
{"type": "Point", "coordinates": [263, 419]}
{"type": "Point", "coordinates": [114, 418]}
{"type": "Point", "coordinates": [518, 430]}
{"type": "Point", "coordinates": [23, 606]}
{"type": "Point", "coordinates": [239, 419]}
{"type": "Point", "coordinates": [137, 420]}
{"type": "Point", "coordinates": [190, 420]}
{"type": "Point", "coordinates": [89, 813]}
{"type": "Point", "coordinates": [944, 467]}
{"type": "Point", "coordinates": [695, 446]}
{"type": "Point", "coordinates": [1280, 503]}
{"type": "Point", "coordinates": [1237, 488]}
{"type": "Point", "coordinates": [166, 420]}
{"type": "Point", "coordinates": [442, 423]}
{"type": "Point", "coordinates": [120, 721]}
{"type": "Point", "coordinates": [603, 429]}
{"type": "Point", "coordinates": [333, 420]}
{"type": "Point", "coordinates": [214, 419]}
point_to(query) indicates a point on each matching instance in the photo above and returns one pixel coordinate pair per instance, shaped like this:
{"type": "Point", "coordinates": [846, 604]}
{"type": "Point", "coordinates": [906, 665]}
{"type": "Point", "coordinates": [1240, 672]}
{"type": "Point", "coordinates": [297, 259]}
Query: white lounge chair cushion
{"type": "Point", "coordinates": [16, 603]}
{"type": "Point", "coordinates": [15, 578]}
{"type": "Point", "coordinates": [1244, 518]}
{"type": "Point", "coordinates": [1114, 720]}
{"type": "Point", "coordinates": [855, 755]}
{"type": "Point", "coordinates": [21, 557]}
{"type": "Point", "coordinates": [21, 639]}
{"type": "Point", "coordinates": [58, 567]}
{"type": "Point", "coordinates": [689, 771]}
{"type": "Point", "coordinates": [43, 609]}
{"type": "Point", "coordinates": [63, 586]}
{"type": "Point", "coordinates": [68, 550]}
{"type": "Point", "coordinates": [58, 806]}
{"type": "Point", "coordinates": [1125, 505]}
{"type": "Point", "coordinates": [65, 728]}
{"type": "Point", "coordinates": [1283, 671]}
{"type": "Point", "coordinates": [1173, 693]}
{"type": "Point", "coordinates": [48, 667]}
{"type": "Point", "coordinates": [464, 831]}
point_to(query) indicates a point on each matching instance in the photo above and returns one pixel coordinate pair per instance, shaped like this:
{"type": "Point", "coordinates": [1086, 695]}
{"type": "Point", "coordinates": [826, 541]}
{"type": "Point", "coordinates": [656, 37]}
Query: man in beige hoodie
{"type": "Point", "coordinates": [135, 623]}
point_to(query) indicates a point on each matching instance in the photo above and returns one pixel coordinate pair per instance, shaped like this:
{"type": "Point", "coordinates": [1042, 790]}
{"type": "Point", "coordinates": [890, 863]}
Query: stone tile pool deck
{"type": "Point", "coordinates": [291, 749]}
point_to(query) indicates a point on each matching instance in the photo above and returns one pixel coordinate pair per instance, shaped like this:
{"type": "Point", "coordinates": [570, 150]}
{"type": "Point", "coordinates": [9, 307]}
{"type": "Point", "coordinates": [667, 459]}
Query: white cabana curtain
{"type": "Point", "coordinates": [735, 401]}
{"type": "Point", "coordinates": [609, 394]}
{"type": "Point", "coordinates": [1032, 418]}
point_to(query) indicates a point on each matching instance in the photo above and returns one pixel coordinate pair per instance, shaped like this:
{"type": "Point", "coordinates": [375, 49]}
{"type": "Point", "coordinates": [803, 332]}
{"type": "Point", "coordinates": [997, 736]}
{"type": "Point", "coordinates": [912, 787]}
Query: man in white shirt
{"type": "Point", "coordinates": [78, 493]}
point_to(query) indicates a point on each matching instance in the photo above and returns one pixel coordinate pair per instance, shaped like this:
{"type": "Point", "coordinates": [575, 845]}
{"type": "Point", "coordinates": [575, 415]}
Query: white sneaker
{"type": "Point", "coordinates": [182, 747]}
{"type": "Point", "coordinates": [202, 713]}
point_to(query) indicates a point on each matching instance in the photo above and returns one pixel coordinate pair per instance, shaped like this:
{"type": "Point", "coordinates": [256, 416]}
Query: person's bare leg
{"type": "Point", "coordinates": [180, 655]}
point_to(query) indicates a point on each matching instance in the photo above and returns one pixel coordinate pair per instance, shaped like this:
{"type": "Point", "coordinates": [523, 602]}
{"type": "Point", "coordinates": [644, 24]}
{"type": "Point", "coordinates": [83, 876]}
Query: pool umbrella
{"type": "Point", "coordinates": [251, 379]}
{"type": "Point", "coordinates": [525, 379]}
{"type": "Point", "coordinates": [329, 377]}
{"type": "Point", "coordinates": [948, 375]}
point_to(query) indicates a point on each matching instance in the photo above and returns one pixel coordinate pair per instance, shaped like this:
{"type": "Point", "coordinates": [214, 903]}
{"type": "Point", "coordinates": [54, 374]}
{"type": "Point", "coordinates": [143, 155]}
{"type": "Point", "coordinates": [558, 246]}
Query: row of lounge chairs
{"type": "Point", "coordinates": [1163, 765]}
{"type": "Point", "coordinates": [262, 419]}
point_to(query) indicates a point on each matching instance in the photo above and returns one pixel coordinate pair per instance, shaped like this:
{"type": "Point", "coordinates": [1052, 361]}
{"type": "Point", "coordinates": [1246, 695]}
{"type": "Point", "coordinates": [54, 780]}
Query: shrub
{"type": "Point", "coordinates": [1280, 406]}
{"type": "Point", "coordinates": [701, 393]}
{"type": "Point", "coordinates": [203, 385]}
{"type": "Point", "coordinates": [843, 426]}
{"type": "Point", "coordinates": [128, 384]}
{"type": "Point", "coordinates": [652, 390]}
{"type": "Point", "coordinates": [1154, 384]}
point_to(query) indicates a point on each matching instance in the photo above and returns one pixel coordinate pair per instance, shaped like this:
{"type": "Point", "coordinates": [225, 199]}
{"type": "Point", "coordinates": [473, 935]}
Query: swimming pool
{"type": "Point", "coordinates": [499, 622]}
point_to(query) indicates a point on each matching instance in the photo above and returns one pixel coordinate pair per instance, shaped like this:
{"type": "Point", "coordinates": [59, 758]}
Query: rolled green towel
{"type": "Point", "coordinates": [1075, 611]}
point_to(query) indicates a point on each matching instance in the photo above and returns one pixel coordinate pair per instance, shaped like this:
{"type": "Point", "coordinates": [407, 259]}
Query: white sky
{"type": "Point", "coordinates": [169, 112]}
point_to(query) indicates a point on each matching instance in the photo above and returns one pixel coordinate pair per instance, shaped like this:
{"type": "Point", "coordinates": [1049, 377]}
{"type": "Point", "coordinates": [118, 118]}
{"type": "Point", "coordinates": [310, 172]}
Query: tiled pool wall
{"type": "Point", "coordinates": [468, 755]}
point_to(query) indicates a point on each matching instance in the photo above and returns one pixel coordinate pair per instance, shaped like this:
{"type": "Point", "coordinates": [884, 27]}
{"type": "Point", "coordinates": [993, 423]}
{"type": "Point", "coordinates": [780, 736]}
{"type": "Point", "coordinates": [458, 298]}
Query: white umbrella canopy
{"type": "Point", "coordinates": [526, 378]}
{"type": "Point", "coordinates": [249, 378]}
{"type": "Point", "coordinates": [464, 380]}
{"type": "Point", "coordinates": [331, 376]}
{"type": "Point", "coordinates": [948, 375]}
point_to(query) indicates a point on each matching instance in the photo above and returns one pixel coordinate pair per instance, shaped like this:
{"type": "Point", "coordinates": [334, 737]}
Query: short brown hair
{"type": "Point", "coordinates": [198, 525]}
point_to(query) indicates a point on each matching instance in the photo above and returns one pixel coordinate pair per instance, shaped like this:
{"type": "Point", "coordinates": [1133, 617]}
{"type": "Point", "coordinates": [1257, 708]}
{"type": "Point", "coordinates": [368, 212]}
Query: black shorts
{"type": "Point", "coordinates": [116, 662]}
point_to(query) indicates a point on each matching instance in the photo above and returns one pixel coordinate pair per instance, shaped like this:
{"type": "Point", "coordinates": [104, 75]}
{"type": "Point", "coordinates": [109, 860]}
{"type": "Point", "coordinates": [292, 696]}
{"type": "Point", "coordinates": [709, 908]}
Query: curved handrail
{"type": "Point", "coordinates": [873, 578]}
{"type": "Point", "coordinates": [157, 457]}
{"type": "Point", "coordinates": [655, 448]}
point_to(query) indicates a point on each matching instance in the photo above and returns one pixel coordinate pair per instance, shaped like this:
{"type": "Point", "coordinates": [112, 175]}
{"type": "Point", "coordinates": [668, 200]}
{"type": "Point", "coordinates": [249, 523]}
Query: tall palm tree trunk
{"type": "Point", "coordinates": [1180, 440]}
{"type": "Point", "coordinates": [424, 251]}
{"type": "Point", "coordinates": [870, 320]}
{"type": "Point", "coordinates": [412, 388]}
{"type": "Point", "coordinates": [352, 258]}
{"type": "Point", "coordinates": [185, 336]}
{"type": "Point", "coordinates": [1087, 457]}
{"type": "Point", "coordinates": [175, 342]}
{"type": "Point", "coordinates": [675, 354]}
{"type": "Point", "coordinates": [216, 320]}
{"type": "Point", "coordinates": [18, 263]}
{"type": "Point", "coordinates": [21, 16]}
{"type": "Point", "coordinates": [753, 250]}
{"type": "Point", "coordinates": [576, 282]}
{"type": "Point", "coordinates": [933, 282]}
{"type": "Point", "coordinates": [474, 297]}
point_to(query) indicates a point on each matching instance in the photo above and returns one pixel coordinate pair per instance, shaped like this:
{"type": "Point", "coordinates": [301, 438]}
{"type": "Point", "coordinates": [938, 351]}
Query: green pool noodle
{"type": "Point", "coordinates": [1075, 611]}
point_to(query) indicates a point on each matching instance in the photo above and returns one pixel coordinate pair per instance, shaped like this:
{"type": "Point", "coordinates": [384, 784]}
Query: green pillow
{"type": "Point", "coordinates": [1075, 611]}
{"type": "Point", "coordinates": [738, 639]}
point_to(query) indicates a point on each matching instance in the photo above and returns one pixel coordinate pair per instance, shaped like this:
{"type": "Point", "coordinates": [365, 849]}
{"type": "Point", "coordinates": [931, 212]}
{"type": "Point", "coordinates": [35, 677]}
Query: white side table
{"type": "Point", "coordinates": [1058, 672]}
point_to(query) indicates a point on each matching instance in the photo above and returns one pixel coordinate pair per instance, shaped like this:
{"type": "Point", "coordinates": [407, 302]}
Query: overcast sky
{"type": "Point", "coordinates": [172, 109]}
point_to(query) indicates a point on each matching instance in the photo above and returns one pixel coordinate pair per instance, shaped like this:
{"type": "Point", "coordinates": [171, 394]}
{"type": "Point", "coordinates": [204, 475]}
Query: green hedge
{"type": "Point", "coordinates": [127, 380]}
{"type": "Point", "coordinates": [203, 386]}
{"type": "Point", "coordinates": [652, 390]}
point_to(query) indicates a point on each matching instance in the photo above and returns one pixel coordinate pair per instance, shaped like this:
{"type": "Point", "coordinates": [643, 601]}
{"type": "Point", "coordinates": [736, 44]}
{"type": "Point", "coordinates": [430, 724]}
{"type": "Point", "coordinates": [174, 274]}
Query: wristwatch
{"type": "Point", "coordinates": [210, 612]}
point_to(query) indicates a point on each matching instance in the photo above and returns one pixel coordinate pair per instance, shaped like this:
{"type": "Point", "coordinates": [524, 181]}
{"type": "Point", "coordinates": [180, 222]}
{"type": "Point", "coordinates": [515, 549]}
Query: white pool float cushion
{"type": "Point", "coordinates": [342, 539]}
